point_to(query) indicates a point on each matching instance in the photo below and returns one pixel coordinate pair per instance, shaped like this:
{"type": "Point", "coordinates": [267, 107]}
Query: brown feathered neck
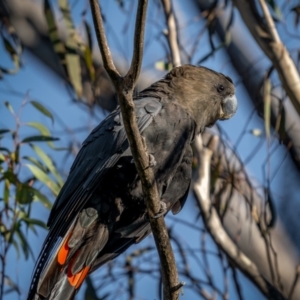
{"type": "Point", "coordinates": [193, 88]}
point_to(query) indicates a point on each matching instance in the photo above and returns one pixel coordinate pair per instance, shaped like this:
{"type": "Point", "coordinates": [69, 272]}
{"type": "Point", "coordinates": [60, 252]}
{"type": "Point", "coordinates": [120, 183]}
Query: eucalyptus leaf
{"type": "Point", "coordinates": [9, 107]}
{"type": "Point", "coordinates": [24, 244]}
{"type": "Point", "coordinates": [35, 222]}
{"type": "Point", "coordinates": [2, 158]}
{"type": "Point", "coordinates": [44, 178]}
{"type": "Point", "coordinates": [40, 197]}
{"type": "Point", "coordinates": [267, 106]}
{"type": "Point", "coordinates": [163, 66]}
{"type": "Point", "coordinates": [89, 63]}
{"type": "Point", "coordinates": [39, 138]}
{"type": "Point", "coordinates": [41, 108]}
{"type": "Point", "coordinates": [44, 132]}
{"type": "Point", "coordinates": [74, 72]}
{"type": "Point", "coordinates": [10, 176]}
{"type": "Point", "coordinates": [40, 127]}
{"type": "Point", "coordinates": [24, 194]}
{"type": "Point", "coordinates": [36, 162]}
{"type": "Point", "coordinates": [3, 131]}
{"type": "Point", "coordinates": [48, 162]}
{"type": "Point", "coordinates": [6, 191]}
{"type": "Point", "coordinates": [66, 12]}
{"type": "Point", "coordinates": [13, 54]}
{"type": "Point", "coordinates": [58, 46]}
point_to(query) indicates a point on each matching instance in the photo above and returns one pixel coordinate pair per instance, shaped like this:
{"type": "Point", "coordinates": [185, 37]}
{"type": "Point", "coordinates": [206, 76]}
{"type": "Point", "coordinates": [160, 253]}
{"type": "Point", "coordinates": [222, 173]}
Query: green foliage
{"type": "Point", "coordinates": [42, 109]}
{"type": "Point", "coordinates": [73, 51]}
{"type": "Point", "coordinates": [25, 179]}
{"type": "Point", "coordinates": [12, 46]}
{"type": "Point", "coordinates": [163, 66]}
{"type": "Point", "coordinates": [267, 106]}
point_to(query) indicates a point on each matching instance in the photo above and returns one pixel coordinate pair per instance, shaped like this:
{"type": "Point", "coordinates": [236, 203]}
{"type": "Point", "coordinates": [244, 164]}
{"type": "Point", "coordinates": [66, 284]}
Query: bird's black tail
{"type": "Point", "coordinates": [62, 267]}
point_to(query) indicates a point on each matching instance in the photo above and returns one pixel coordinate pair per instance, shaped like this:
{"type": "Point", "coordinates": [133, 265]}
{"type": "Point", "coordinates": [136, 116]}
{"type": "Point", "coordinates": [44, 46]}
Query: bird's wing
{"type": "Point", "coordinates": [174, 196]}
{"type": "Point", "coordinates": [182, 179]}
{"type": "Point", "coordinates": [99, 152]}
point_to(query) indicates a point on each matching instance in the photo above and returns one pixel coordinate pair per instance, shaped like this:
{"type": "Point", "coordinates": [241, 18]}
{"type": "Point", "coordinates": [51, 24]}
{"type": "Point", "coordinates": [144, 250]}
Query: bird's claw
{"type": "Point", "coordinates": [152, 161]}
{"type": "Point", "coordinates": [162, 211]}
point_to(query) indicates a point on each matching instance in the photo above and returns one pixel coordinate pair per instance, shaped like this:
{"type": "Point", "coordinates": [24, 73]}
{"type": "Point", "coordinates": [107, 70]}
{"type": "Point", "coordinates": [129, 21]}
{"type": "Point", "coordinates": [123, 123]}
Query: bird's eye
{"type": "Point", "coordinates": [220, 88]}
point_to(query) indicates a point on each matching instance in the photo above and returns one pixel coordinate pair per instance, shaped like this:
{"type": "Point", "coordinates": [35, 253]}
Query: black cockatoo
{"type": "Point", "coordinates": [101, 211]}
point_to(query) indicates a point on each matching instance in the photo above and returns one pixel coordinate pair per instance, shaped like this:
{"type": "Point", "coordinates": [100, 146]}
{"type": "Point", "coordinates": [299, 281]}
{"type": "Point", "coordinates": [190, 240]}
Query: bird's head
{"type": "Point", "coordinates": [207, 95]}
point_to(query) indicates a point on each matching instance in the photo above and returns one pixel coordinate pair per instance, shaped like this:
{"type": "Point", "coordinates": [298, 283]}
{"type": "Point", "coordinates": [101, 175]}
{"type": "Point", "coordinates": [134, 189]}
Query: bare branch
{"type": "Point", "coordinates": [269, 21]}
{"type": "Point", "coordinates": [136, 63]}
{"type": "Point", "coordinates": [201, 189]}
{"type": "Point", "coordinates": [294, 283]}
{"type": "Point", "coordinates": [124, 87]}
{"type": "Point", "coordinates": [271, 44]}
{"type": "Point", "coordinates": [102, 42]}
{"type": "Point", "coordinates": [172, 33]}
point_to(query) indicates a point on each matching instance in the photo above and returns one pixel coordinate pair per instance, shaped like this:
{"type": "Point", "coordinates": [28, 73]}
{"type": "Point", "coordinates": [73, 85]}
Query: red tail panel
{"type": "Point", "coordinates": [76, 279]}
{"type": "Point", "coordinates": [63, 251]}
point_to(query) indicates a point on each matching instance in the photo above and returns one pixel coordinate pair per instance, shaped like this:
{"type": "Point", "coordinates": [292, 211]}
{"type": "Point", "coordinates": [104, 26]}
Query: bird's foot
{"type": "Point", "coordinates": [152, 161]}
{"type": "Point", "coordinates": [162, 211]}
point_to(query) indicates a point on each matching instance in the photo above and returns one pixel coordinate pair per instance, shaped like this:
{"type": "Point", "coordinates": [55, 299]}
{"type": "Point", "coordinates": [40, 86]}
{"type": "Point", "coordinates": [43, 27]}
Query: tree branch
{"type": "Point", "coordinates": [102, 42]}
{"type": "Point", "coordinates": [273, 47]}
{"type": "Point", "coordinates": [138, 49]}
{"type": "Point", "coordinates": [201, 189]}
{"type": "Point", "coordinates": [172, 33]}
{"type": "Point", "coordinates": [269, 21]}
{"type": "Point", "coordinates": [124, 87]}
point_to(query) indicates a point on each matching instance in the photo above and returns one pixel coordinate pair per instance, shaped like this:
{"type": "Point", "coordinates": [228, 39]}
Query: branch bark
{"type": "Point", "coordinates": [124, 87]}
{"type": "Point", "coordinates": [172, 33]}
{"type": "Point", "coordinates": [272, 46]}
{"type": "Point", "coordinates": [270, 23]}
{"type": "Point", "coordinates": [136, 63]}
{"type": "Point", "coordinates": [201, 189]}
{"type": "Point", "coordinates": [102, 43]}
{"type": "Point", "coordinates": [245, 218]}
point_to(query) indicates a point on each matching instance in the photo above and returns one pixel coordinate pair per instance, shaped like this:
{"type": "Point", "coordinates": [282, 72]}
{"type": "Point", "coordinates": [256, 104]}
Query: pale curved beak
{"type": "Point", "coordinates": [228, 107]}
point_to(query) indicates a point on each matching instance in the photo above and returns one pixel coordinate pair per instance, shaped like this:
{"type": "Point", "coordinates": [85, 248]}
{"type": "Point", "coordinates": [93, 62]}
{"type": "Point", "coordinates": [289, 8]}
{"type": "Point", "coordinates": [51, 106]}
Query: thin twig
{"type": "Point", "coordinates": [270, 43]}
{"type": "Point", "coordinates": [292, 290]}
{"type": "Point", "coordinates": [172, 33]}
{"type": "Point", "coordinates": [236, 283]}
{"type": "Point", "coordinates": [124, 88]}
{"type": "Point", "coordinates": [201, 188]}
{"type": "Point", "coordinates": [269, 21]}
{"type": "Point", "coordinates": [137, 57]}
{"type": "Point", "coordinates": [102, 42]}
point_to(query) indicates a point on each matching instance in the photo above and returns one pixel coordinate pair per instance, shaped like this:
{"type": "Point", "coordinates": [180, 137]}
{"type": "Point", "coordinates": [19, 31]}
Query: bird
{"type": "Point", "coordinates": [101, 210]}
